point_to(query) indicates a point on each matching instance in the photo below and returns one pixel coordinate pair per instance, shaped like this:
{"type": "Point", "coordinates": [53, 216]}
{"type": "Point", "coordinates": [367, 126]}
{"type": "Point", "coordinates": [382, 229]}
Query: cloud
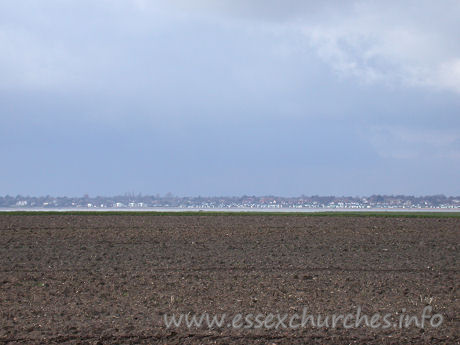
{"type": "Point", "coordinates": [404, 43]}
{"type": "Point", "coordinates": [410, 43]}
{"type": "Point", "coordinates": [151, 83]}
{"type": "Point", "coordinates": [394, 43]}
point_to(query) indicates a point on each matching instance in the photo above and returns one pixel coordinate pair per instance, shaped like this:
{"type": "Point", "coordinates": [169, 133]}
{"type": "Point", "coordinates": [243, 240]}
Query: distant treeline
{"type": "Point", "coordinates": [169, 200]}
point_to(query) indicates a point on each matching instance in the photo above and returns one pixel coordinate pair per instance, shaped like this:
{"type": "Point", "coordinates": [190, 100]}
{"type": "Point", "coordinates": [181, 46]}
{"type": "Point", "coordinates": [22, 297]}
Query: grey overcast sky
{"type": "Point", "coordinates": [229, 97]}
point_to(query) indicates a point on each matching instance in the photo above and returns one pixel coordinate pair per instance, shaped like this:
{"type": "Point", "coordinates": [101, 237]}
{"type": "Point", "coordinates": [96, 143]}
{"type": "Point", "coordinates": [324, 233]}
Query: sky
{"type": "Point", "coordinates": [229, 97]}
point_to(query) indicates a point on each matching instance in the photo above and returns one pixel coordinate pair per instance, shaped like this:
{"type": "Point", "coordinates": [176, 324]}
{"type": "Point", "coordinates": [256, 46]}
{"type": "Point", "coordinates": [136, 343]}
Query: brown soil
{"type": "Point", "coordinates": [74, 279]}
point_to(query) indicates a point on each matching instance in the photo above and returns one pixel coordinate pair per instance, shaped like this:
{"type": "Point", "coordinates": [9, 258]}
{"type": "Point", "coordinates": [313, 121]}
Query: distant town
{"type": "Point", "coordinates": [131, 201]}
